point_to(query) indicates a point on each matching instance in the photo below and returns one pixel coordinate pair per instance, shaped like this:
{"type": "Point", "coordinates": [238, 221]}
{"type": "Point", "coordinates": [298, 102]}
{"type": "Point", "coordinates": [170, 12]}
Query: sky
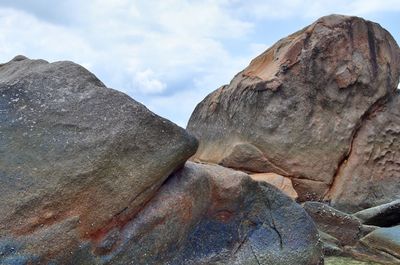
{"type": "Point", "coordinates": [166, 54]}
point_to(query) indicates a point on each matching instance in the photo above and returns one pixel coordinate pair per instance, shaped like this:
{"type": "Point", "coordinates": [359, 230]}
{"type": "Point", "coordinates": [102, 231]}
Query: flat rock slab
{"type": "Point", "coordinates": [346, 261]}
{"type": "Point", "coordinates": [383, 215]}
{"type": "Point", "coordinates": [384, 239]}
{"type": "Point", "coordinates": [344, 227]}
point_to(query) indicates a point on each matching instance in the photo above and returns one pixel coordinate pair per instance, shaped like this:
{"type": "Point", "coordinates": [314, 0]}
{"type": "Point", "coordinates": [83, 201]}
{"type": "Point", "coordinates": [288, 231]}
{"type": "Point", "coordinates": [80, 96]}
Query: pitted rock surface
{"type": "Point", "coordinates": [296, 109]}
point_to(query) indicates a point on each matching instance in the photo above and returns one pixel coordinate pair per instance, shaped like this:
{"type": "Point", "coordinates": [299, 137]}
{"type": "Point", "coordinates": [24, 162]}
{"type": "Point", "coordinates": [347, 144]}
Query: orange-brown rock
{"type": "Point", "coordinates": [282, 183]}
{"type": "Point", "coordinates": [296, 109]}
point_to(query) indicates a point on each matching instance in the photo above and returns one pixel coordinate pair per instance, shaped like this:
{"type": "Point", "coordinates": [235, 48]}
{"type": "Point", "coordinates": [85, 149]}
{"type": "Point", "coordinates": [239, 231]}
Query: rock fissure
{"type": "Point", "coordinates": [273, 225]}
{"type": "Point", "coordinates": [375, 107]}
{"type": "Point", "coordinates": [254, 254]}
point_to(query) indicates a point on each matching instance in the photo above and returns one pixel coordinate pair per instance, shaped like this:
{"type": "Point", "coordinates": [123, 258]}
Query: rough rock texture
{"type": "Point", "coordinates": [383, 215]}
{"type": "Point", "coordinates": [201, 215]}
{"type": "Point", "coordinates": [344, 234]}
{"type": "Point", "coordinates": [344, 227]}
{"type": "Point", "coordinates": [85, 178]}
{"type": "Point", "coordinates": [371, 175]}
{"type": "Point", "coordinates": [332, 245]}
{"type": "Point", "coordinates": [77, 157]}
{"type": "Point", "coordinates": [296, 109]}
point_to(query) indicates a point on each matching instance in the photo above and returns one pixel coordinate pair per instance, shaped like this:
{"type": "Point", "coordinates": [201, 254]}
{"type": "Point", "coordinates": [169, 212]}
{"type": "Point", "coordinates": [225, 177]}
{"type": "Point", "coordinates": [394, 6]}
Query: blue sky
{"type": "Point", "coordinates": [167, 54]}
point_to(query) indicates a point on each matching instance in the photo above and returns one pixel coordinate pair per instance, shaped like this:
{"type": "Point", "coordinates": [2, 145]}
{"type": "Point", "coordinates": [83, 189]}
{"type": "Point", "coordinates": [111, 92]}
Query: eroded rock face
{"type": "Point", "coordinates": [371, 174]}
{"type": "Point", "coordinates": [296, 109]}
{"type": "Point", "coordinates": [77, 158]}
{"type": "Point", "coordinates": [203, 214]}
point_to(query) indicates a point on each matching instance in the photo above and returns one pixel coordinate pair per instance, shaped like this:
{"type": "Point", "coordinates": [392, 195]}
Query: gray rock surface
{"type": "Point", "coordinates": [385, 239]}
{"type": "Point", "coordinates": [90, 176]}
{"type": "Point", "coordinates": [203, 214]}
{"type": "Point", "coordinates": [344, 234]}
{"type": "Point", "coordinates": [208, 214]}
{"type": "Point", "coordinates": [344, 227]}
{"type": "Point", "coordinates": [76, 157]}
{"type": "Point", "coordinates": [383, 215]}
{"type": "Point", "coordinates": [298, 107]}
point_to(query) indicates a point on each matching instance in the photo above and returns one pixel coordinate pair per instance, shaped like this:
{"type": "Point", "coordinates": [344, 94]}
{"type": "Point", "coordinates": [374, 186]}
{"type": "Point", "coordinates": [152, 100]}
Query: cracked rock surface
{"type": "Point", "coordinates": [208, 214]}
{"type": "Point", "coordinates": [299, 107]}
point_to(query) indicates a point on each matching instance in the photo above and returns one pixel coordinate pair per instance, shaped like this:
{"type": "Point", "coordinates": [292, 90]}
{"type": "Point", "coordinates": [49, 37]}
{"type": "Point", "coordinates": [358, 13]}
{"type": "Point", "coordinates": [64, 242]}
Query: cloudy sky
{"type": "Point", "coordinates": [167, 54]}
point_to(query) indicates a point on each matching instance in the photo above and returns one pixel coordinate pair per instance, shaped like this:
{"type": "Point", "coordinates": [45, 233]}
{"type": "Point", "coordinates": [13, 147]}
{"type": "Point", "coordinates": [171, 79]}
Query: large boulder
{"type": "Point", "coordinates": [298, 107]}
{"type": "Point", "coordinates": [90, 176]}
{"type": "Point", "coordinates": [358, 235]}
{"type": "Point", "coordinates": [203, 214]}
{"type": "Point", "coordinates": [77, 157]}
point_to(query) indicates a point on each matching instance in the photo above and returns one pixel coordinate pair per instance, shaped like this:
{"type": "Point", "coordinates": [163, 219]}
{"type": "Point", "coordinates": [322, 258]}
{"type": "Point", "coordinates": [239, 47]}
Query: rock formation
{"type": "Point", "coordinates": [90, 176]}
{"type": "Point", "coordinates": [208, 214]}
{"type": "Point", "coordinates": [318, 107]}
{"type": "Point", "coordinates": [370, 235]}
{"type": "Point", "coordinates": [72, 147]}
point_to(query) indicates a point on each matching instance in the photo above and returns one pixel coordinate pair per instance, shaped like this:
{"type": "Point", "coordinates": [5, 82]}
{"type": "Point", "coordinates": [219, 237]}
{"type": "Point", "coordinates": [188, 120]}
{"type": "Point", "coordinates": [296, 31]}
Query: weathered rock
{"type": "Point", "coordinates": [346, 261]}
{"type": "Point", "coordinates": [373, 163]}
{"type": "Point", "coordinates": [386, 240]}
{"type": "Point", "coordinates": [383, 215]}
{"type": "Point", "coordinates": [203, 214]}
{"type": "Point", "coordinates": [298, 107]}
{"type": "Point", "coordinates": [248, 158]}
{"type": "Point", "coordinates": [309, 190]}
{"type": "Point", "coordinates": [344, 227]}
{"type": "Point", "coordinates": [282, 183]}
{"type": "Point", "coordinates": [77, 159]}
{"type": "Point", "coordinates": [364, 253]}
{"type": "Point", "coordinates": [332, 246]}
{"type": "Point", "coordinates": [84, 180]}
{"type": "Point", "coordinates": [344, 235]}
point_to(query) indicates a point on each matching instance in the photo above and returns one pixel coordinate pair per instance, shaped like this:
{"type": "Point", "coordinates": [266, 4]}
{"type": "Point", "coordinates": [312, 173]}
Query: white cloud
{"type": "Point", "coordinates": [22, 33]}
{"type": "Point", "coordinates": [168, 54]}
{"type": "Point", "coordinates": [286, 9]}
{"type": "Point", "coordinates": [146, 82]}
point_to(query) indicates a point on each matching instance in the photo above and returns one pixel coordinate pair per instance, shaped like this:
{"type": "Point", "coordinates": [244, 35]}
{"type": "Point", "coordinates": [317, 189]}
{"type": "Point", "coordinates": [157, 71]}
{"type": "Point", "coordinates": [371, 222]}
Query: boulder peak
{"type": "Point", "coordinates": [301, 103]}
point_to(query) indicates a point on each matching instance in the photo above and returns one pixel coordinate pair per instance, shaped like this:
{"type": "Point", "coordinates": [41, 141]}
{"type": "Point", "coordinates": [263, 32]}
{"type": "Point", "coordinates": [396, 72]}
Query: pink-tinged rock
{"type": "Point", "coordinates": [371, 174]}
{"type": "Point", "coordinates": [298, 106]}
